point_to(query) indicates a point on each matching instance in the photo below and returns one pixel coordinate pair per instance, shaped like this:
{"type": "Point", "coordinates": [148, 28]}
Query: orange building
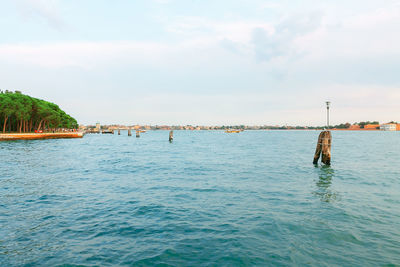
{"type": "Point", "coordinates": [371, 126]}
{"type": "Point", "coordinates": [355, 127]}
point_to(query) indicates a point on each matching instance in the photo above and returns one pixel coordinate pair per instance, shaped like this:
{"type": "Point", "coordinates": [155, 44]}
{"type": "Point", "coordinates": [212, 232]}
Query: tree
{"type": "Point", "coordinates": [23, 113]}
{"type": "Point", "coordinates": [6, 109]}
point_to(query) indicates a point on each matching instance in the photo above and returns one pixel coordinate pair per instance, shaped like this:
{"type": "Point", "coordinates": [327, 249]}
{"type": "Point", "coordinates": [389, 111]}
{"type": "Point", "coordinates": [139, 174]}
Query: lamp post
{"type": "Point", "coordinates": [327, 112]}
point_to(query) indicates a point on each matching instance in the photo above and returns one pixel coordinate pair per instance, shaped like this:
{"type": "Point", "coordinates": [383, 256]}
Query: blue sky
{"type": "Point", "coordinates": [205, 62]}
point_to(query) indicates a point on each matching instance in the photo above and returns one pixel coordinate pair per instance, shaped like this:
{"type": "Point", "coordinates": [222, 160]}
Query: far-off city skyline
{"type": "Point", "coordinates": [206, 62]}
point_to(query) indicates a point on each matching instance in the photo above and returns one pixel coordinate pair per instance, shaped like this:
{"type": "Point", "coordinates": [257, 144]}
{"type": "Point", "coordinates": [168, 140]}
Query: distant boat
{"type": "Point", "coordinates": [92, 131]}
{"type": "Point", "coordinates": [233, 131]}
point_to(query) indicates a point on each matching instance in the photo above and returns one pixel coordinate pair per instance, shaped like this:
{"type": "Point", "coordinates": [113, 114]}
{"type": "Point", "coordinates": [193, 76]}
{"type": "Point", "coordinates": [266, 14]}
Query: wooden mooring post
{"type": "Point", "coordinates": [324, 148]}
{"type": "Point", "coordinates": [119, 132]}
{"type": "Point", "coordinates": [171, 136]}
{"type": "Point", "coordinates": [137, 133]}
{"type": "Point", "coordinates": [129, 132]}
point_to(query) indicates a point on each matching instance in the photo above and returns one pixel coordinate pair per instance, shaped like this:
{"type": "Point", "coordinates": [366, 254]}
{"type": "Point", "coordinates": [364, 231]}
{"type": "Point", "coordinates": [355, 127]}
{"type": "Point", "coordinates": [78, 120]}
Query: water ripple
{"type": "Point", "coordinates": [207, 199]}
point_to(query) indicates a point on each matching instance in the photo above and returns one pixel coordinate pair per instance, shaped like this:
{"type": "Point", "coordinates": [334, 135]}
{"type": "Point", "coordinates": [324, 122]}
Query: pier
{"type": "Point", "coordinates": [35, 136]}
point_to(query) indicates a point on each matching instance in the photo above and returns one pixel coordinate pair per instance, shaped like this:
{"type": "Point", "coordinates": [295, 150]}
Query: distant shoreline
{"type": "Point", "coordinates": [36, 136]}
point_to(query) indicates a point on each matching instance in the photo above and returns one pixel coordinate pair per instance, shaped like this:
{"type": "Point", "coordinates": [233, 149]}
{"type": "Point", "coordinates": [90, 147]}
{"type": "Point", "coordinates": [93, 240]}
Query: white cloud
{"type": "Point", "coordinates": [85, 55]}
{"type": "Point", "coordinates": [163, 1]}
{"type": "Point", "coordinates": [46, 10]}
{"type": "Point", "coordinates": [250, 70]}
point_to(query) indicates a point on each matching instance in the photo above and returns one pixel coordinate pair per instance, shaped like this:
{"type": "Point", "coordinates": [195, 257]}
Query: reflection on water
{"type": "Point", "coordinates": [324, 182]}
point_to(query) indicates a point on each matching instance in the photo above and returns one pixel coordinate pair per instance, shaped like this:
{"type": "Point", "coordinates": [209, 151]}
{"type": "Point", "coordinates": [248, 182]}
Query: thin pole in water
{"type": "Point", "coordinates": [327, 113]}
{"type": "Point", "coordinates": [324, 142]}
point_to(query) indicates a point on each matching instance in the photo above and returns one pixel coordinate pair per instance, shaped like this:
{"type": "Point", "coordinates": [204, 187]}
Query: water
{"type": "Point", "coordinates": [207, 199]}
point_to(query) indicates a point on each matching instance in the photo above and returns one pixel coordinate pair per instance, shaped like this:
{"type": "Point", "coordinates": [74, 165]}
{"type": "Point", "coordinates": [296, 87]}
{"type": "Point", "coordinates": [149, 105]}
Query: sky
{"type": "Point", "coordinates": [205, 62]}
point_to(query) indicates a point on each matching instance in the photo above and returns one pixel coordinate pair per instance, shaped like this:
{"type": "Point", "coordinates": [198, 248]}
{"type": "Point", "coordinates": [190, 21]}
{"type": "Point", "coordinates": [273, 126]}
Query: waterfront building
{"type": "Point", "coordinates": [355, 127]}
{"type": "Point", "coordinates": [371, 126]}
{"type": "Point", "coordinates": [390, 127]}
{"type": "Point", "coordinates": [97, 125]}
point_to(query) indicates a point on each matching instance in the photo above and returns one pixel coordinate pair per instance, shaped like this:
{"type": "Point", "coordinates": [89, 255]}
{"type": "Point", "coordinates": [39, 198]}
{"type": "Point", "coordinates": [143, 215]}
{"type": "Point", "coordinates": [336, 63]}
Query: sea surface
{"type": "Point", "coordinates": [207, 199]}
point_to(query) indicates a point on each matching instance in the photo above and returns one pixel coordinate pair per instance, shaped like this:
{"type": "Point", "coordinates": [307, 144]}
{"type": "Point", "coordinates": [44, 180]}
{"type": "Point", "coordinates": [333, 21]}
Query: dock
{"type": "Point", "coordinates": [35, 136]}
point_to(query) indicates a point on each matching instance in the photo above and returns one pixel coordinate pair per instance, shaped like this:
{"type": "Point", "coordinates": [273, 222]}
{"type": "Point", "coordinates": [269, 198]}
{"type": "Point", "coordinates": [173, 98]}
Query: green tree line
{"type": "Point", "coordinates": [23, 113]}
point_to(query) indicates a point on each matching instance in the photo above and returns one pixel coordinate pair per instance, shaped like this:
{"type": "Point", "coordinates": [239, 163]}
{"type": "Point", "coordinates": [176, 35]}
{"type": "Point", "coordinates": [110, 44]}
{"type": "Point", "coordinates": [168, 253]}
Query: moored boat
{"type": "Point", "coordinates": [233, 131]}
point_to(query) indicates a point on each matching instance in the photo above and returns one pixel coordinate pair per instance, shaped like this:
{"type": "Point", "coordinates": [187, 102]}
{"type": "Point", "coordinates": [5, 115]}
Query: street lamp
{"type": "Point", "coordinates": [327, 112]}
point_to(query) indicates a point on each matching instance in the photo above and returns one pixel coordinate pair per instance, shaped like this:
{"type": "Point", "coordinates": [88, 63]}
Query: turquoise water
{"type": "Point", "coordinates": [207, 199]}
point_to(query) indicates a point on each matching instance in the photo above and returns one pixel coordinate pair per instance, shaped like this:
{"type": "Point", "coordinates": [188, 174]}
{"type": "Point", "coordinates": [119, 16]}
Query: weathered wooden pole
{"type": "Point", "coordinates": [324, 148]}
{"type": "Point", "coordinates": [137, 133]}
{"type": "Point", "coordinates": [171, 136]}
{"type": "Point", "coordinates": [129, 132]}
{"type": "Point", "coordinates": [318, 149]}
{"type": "Point", "coordinates": [119, 131]}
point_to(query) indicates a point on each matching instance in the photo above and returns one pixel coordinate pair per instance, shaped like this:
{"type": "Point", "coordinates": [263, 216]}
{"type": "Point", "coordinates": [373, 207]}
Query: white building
{"type": "Point", "coordinates": [389, 127]}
